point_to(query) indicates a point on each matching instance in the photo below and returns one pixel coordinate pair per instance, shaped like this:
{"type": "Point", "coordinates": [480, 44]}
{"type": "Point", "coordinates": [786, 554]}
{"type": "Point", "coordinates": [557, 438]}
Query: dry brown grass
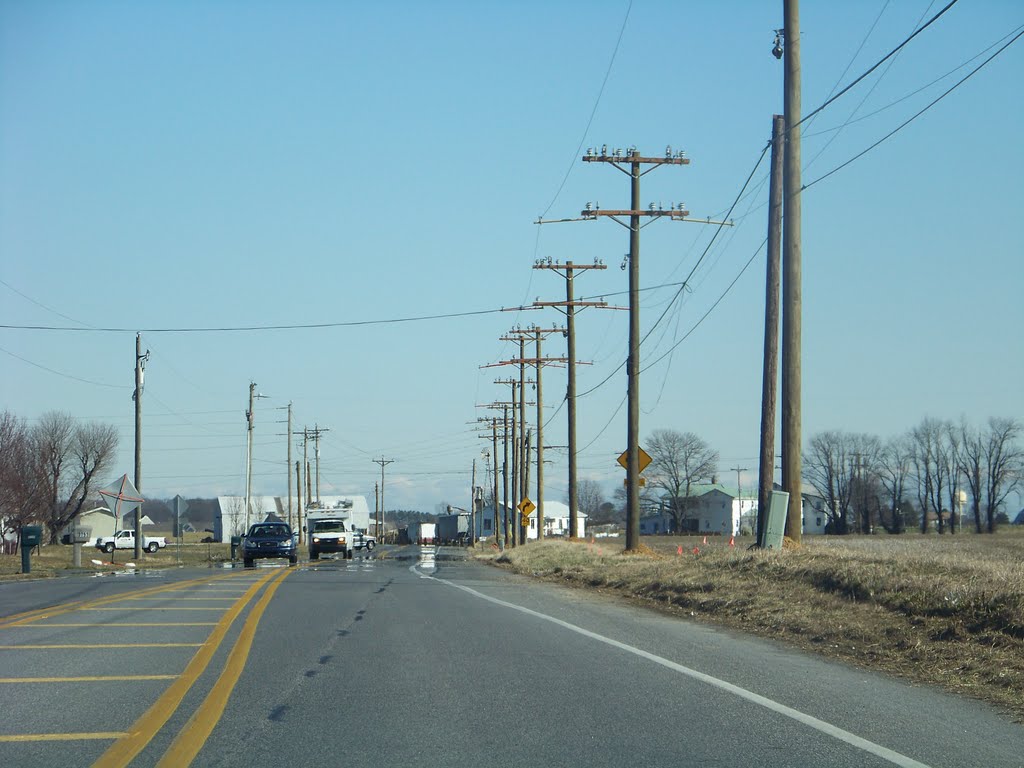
{"type": "Point", "coordinates": [57, 559]}
{"type": "Point", "coordinates": [943, 610]}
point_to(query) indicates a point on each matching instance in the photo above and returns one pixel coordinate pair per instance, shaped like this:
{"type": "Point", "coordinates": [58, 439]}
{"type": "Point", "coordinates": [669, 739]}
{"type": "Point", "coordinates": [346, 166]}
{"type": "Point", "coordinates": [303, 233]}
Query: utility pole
{"type": "Point", "coordinates": [634, 162]}
{"type": "Point", "coordinates": [472, 507]}
{"type": "Point", "coordinates": [739, 489]}
{"type": "Point", "coordinates": [769, 380]}
{"type": "Point", "coordinates": [376, 510]}
{"type": "Point", "coordinates": [140, 367]}
{"type": "Point", "coordinates": [305, 462]}
{"type": "Point", "coordinates": [504, 480]}
{"type": "Point", "coordinates": [383, 463]}
{"type": "Point", "coordinates": [524, 531]}
{"type": "Point", "coordinates": [791, 273]}
{"type": "Point", "coordinates": [568, 307]}
{"type": "Point", "coordinates": [290, 463]}
{"type": "Point", "coordinates": [316, 432]}
{"type": "Point", "coordinates": [298, 483]}
{"type": "Point", "coordinates": [248, 454]}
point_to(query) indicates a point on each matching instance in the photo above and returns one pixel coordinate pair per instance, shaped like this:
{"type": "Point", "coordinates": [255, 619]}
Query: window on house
{"type": "Point", "coordinates": [487, 523]}
{"type": "Point", "coordinates": [817, 521]}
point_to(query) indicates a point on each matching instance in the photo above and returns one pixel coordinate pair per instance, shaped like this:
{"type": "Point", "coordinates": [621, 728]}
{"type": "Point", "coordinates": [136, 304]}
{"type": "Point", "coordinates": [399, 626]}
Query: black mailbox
{"type": "Point", "coordinates": [31, 536]}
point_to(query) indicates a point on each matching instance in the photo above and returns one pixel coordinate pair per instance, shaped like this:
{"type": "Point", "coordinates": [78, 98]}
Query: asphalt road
{"type": "Point", "coordinates": [414, 657]}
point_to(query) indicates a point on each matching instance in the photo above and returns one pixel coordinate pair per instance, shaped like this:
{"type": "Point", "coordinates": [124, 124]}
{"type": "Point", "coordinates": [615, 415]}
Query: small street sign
{"type": "Point", "coordinates": [643, 482]}
{"type": "Point", "coordinates": [645, 460]}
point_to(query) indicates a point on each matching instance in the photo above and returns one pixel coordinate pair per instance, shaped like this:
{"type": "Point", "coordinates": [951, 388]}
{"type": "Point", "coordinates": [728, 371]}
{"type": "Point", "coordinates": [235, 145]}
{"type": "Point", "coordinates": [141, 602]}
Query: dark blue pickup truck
{"type": "Point", "coordinates": [269, 540]}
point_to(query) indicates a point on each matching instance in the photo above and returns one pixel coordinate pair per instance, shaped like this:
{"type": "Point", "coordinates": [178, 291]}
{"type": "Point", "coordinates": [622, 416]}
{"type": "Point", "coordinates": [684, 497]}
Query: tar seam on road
{"type": "Point", "coordinates": [819, 725]}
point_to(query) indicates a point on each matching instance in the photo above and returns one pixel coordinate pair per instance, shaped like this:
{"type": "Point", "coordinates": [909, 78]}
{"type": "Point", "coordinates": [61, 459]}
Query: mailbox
{"type": "Point", "coordinates": [81, 535]}
{"type": "Point", "coordinates": [31, 536]}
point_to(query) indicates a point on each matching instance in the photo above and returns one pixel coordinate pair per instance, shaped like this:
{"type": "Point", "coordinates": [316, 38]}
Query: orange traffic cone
{"type": "Point", "coordinates": [732, 541]}
{"type": "Point", "coordinates": [679, 549]}
{"type": "Point", "coordinates": [696, 550]}
{"type": "Point", "coordinates": [705, 539]}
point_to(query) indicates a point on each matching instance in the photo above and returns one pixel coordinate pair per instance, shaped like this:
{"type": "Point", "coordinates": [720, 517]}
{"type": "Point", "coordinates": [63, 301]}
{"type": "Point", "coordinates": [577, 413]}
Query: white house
{"type": "Point", "coordinates": [99, 521]}
{"type": "Point", "coordinates": [230, 518]}
{"type": "Point", "coordinates": [556, 520]}
{"type": "Point", "coordinates": [708, 509]}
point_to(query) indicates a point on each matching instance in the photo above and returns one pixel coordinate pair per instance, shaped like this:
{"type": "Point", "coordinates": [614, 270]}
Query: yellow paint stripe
{"type": "Point", "coordinates": [22, 737]}
{"type": "Point", "coordinates": [193, 736]}
{"type": "Point", "coordinates": [185, 598]}
{"type": "Point", "coordinates": [125, 749]}
{"type": "Point", "coordinates": [60, 609]}
{"type": "Point", "coordinates": [154, 608]}
{"type": "Point", "coordinates": [88, 679]}
{"type": "Point", "coordinates": [124, 624]}
{"type": "Point", "coordinates": [100, 645]}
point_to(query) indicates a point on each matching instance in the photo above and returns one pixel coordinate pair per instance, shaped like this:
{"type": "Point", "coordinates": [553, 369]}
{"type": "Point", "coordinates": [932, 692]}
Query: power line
{"type": "Point", "coordinates": [907, 122]}
{"type": "Point", "coordinates": [65, 375]}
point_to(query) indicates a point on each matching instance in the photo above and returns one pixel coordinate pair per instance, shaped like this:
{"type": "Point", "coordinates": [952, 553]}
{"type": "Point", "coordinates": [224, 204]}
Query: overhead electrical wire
{"type": "Point", "coordinates": [911, 119]}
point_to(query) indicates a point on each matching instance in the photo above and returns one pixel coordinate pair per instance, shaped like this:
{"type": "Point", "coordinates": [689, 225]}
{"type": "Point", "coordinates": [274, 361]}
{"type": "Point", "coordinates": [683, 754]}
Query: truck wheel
{"type": "Point", "coordinates": [348, 554]}
{"type": "Point", "coordinates": [247, 562]}
{"type": "Point", "coordinates": [152, 547]}
{"type": "Point", "coordinates": [293, 559]}
{"type": "Point", "coordinates": [369, 546]}
{"type": "Point", "coordinates": [314, 554]}
{"type": "Point", "coordinates": [108, 548]}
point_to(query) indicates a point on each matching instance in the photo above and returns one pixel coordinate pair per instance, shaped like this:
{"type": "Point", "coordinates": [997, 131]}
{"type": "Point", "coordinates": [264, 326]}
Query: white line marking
{"type": "Point", "coordinates": [819, 725]}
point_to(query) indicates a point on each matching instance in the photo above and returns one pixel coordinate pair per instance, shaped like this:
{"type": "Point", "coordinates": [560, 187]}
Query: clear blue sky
{"type": "Point", "coordinates": [186, 164]}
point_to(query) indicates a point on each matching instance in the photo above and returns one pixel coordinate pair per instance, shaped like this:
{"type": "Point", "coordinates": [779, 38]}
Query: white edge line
{"type": "Point", "coordinates": [819, 725]}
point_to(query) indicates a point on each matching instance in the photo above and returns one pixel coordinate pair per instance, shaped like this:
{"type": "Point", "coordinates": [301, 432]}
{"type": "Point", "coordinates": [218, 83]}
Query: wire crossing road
{"type": "Point", "coordinates": [418, 657]}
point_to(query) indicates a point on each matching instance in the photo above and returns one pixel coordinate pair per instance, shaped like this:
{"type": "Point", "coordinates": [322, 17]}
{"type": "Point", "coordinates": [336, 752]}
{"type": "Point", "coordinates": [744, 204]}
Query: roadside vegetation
{"type": "Point", "coordinates": [58, 559]}
{"type": "Point", "coordinates": [935, 609]}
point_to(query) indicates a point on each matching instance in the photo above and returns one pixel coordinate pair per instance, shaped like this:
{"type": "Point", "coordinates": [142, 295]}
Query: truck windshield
{"type": "Point", "coordinates": [329, 526]}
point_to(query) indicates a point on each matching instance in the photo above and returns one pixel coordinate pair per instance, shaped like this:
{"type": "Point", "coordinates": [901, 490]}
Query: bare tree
{"type": "Point", "coordinates": [826, 467]}
{"type": "Point", "coordinates": [865, 489]}
{"type": "Point", "coordinates": [927, 438]}
{"type": "Point", "coordinates": [20, 492]}
{"type": "Point", "coordinates": [589, 497]}
{"type": "Point", "coordinates": [679, 461]}
{"type": "Point", "coordinates": [950, 462]}
{"type": "Point", "coordinates": [972, 466]}
{"type": "Point", "coordinates": [894, 465]}
{"type": "Point", "coordinates": [92, 450]}
{"type": "Point", "coordinates": [1004, 465]}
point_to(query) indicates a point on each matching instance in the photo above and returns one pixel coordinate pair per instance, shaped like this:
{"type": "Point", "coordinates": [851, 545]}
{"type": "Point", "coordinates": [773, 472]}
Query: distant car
{"type": "Point", "coordinates": [365, 541]}
{"type": "Point", "coordinates": [265, 540]}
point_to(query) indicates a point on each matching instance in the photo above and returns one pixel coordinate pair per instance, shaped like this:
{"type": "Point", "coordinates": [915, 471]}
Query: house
{"type": "Point", "coordinates": [230, 518]}
{"type": "Point", "coordinates": [1019, 519]}
{"type": "Point", "coordinates": [485, 520]}
{"type": "Point", "coordinates": [708, 509]}
{"type": "Point", "coordinates": [99, 520]}
{"type": "Point", "coordinates": [556, 521]}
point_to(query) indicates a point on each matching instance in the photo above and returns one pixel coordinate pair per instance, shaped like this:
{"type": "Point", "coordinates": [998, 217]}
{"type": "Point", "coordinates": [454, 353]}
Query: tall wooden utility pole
{"type": "Point", "coordinates": [568, 308]}
{"type": "Point", "coordinates": [383, 463]}
{"type": "Point", "coordinates": [791, 274]}
{"type": "Point", "coordinates": [472, 507]}
{"type": "Point", "coordinates": [248, 454]}
{"type": "Point", "coordinates": [305, 463]}
{"type": "Point", "coordinates": [524, 532]}
{"type": "Point", "coordinates": [770, 377]}
{"type": "Point", "coordinates": [289, 465]}
{"type": "Point", "coordinates": [298, 484]}
{"type": "Point", "coordinates": [631, 165]}
{"type": "Point", "coordinates": [316, 432]}
{"type": "Point", "coordinates": [140, 367]}
{"type": "Point", "coordinates": [504, 480]}
{"type": "Point", "coordinates": [376, 511]}
{"type": "Point", "coordinates": [739, 491]}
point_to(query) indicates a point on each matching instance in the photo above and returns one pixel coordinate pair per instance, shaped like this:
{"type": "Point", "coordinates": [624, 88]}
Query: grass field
{"type": "Point", "coordinates": [943, 610]}
{"type": "Point", "coordinates": [56, 559]}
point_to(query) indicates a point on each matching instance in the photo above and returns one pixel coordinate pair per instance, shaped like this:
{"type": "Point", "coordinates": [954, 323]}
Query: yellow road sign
{"type": "Point", "coordinates": [524, 520]}
{"type": "Point", "coordinates": [526, 507]}
{"type": "Point", "coordinates": [643, 482]}
{"type": "Point", "coordinates": [645, 460]}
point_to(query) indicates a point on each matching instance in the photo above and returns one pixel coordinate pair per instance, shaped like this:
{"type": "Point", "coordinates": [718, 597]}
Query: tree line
{"type": "Point", "coordinates": [866, 481]}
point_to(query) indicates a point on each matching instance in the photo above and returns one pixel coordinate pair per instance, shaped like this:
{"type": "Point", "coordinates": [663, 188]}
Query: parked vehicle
{"type": "Point", "coordinates": [270, 539]}
{"type": "Point", "coordinates": [329, 531]}
{"type": "Point", "coordinates": [364, 541]}
{"type": "Point", "coordinates": [453, 528]}
{"type": "Point", "coordinates": [126, 540]}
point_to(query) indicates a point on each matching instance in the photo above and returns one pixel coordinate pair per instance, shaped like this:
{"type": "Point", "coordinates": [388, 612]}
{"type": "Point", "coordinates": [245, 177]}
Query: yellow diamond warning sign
{"type": "Point", "coordinates": [526, 507]}
{"type": "Point", "coordinates": [645, 460]}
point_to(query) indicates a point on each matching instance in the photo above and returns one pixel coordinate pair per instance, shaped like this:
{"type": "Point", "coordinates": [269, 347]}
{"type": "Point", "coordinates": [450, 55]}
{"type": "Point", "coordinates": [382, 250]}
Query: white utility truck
{"type": "Point", "coordinates": [330, 530]}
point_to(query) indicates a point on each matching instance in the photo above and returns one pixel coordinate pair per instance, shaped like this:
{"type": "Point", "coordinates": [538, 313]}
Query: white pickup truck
{"type": "Point", "coordinates": [126, 540]}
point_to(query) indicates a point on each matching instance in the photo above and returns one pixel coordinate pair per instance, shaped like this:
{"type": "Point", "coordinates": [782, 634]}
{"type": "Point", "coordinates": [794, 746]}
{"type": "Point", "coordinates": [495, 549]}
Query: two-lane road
{"type": "Point", "coordinates": [414, 657]}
